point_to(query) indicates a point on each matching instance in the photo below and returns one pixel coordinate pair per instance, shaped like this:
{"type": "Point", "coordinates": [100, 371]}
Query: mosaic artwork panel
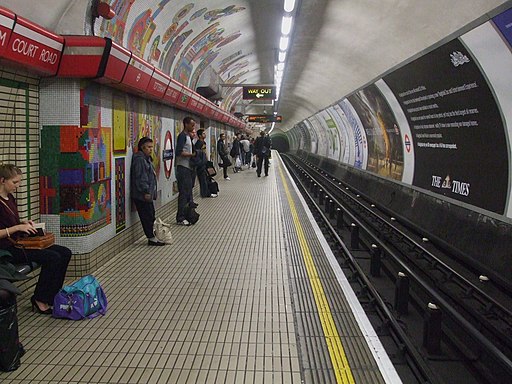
{"type": "Point", "coordinates": [120, 194]}
{"type": "Point", "coordinates": [119, 122]}
{"type": "Point", "coordinates": [75, 177]}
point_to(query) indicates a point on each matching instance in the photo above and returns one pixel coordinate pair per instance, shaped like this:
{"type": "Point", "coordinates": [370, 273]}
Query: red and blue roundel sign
{"type": "Point", "coordinates": [407, 142]}
{"type": "Point", "coordinates": [168, 154]}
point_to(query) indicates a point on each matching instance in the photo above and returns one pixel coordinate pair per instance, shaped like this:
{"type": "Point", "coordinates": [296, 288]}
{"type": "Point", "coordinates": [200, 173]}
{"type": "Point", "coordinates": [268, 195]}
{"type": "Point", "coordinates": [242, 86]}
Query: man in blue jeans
{"type": "Point", "coordinates": [184, 170]}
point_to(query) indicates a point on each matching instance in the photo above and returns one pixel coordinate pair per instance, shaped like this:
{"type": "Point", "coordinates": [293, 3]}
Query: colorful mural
{"type": "Point", "coordinates": [81, 175]}
{"type": "Point", "coordinates": [182, 49]}
{"type": "Point", "coordinates": [120, 194]}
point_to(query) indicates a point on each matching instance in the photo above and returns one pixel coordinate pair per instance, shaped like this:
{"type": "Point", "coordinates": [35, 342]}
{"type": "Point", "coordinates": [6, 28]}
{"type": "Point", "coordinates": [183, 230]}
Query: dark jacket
{"type": "Point", "coordinates": [235, 149]}
{"type": "Point", "coordinates": [142, 177]}
{"type": "Point", "coordinates": [221, 148]}
{"type": "Point", "coordinates": [262, 146]}
{"type": "Point", "coordinates": [200, 159]}
{"type": "Point", "coordinates": [8, 273]}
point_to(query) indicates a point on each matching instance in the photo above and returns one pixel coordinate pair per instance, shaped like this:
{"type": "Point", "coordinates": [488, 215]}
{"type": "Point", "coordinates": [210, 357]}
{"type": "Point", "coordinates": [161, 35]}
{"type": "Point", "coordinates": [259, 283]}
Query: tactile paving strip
{"type": "Point", "coordinates": [314, 353]}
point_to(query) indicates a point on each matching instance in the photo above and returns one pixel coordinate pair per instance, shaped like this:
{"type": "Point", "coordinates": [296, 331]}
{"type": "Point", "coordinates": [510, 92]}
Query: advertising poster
{"type": "Point", "coordinates": [347, 149]}
{"type": "Point", "coordinates": [305, 138]}
{"type": "Point", "coordinates": [504, 23]}
{"type": "Point", "coordinates": [385, 154]}
{"type": "Point", "coordinates": [494, 56]}
{"type": "Point", "coordinates": [459, 138]}
{"type": "Point", "coordinates": [333, 135]}
{"type": "Point", "coordinates": [405, 131]}
{"type": "Point", "coordinates": [323, 140]}
{"type": "Point", "coordinates": [360, 143]}
{"type": "Point", "coordinates": [312, 135]}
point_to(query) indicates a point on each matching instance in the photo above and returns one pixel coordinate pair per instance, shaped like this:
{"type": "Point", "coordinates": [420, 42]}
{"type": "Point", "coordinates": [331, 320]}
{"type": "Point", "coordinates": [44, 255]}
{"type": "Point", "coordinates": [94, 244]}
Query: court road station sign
{"type": "Point", "coordinates": [259, 92]}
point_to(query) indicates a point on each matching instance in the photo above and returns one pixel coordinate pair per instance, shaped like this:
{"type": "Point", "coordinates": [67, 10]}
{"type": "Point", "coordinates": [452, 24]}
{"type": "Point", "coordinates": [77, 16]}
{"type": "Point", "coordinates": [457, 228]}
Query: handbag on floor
{"type": "Point", "coordinates": [84, 298]}
{"type": "Point", "coordinates": [210, 169]}
{"type": "Point", "coordinates": [162, 231]}
{"type": "Point", "coordinates": [213, 186]}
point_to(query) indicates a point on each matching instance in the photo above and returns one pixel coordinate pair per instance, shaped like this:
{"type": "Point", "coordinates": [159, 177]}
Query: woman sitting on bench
{"type": "Point", "coordinates": [53, 260]}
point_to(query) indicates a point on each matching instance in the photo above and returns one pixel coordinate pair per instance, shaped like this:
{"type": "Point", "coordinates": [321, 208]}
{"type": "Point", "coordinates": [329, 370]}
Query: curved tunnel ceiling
{"type": "Point", "coordinates": [336, 47]}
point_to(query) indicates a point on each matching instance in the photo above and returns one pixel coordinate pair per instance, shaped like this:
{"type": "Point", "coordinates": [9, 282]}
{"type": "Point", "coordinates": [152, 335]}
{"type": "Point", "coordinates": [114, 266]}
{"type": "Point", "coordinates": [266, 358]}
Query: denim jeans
{"type": "Point", "coordinates": [184, 179]}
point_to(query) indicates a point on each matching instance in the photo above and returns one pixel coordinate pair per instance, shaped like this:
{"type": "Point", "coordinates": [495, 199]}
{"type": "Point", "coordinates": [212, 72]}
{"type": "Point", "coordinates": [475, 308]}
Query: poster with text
{"type": "Point", "coordinates": [503, 22]}
{"type": "Point", "coordinates": [385, 149]}
{"type": "Point", "coordinates": [459, 139]}
{"type": "Point", "coordinates": [360, 143]}
{"type": "Point", "coordinates": [347, 150]}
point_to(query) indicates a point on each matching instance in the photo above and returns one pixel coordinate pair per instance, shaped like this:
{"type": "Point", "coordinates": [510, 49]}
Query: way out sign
{"type": "Point", "coordinates": [259, 93]}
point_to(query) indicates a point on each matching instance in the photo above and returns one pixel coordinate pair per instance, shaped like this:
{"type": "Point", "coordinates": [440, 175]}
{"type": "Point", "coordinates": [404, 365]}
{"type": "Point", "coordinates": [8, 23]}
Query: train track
{"type": "Point", "coordinates": [447, 322]}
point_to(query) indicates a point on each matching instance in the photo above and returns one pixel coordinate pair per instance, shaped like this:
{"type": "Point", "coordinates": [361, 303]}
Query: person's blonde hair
{"type": "Point", "coordinates": [8, 171]}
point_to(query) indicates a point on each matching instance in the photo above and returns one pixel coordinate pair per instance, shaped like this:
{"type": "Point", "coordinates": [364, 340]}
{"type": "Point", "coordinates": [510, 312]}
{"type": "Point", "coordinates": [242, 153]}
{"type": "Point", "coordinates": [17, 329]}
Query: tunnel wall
{"type": "Point", "coordinates": [477, 238]}
{"type": "Point", "coordinates": [441, 122]}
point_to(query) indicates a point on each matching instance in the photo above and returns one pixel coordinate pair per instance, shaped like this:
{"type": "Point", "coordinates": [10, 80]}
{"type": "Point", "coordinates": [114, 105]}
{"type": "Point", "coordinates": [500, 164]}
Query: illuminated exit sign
{"type": "Point", "coordinates": [259, 93]}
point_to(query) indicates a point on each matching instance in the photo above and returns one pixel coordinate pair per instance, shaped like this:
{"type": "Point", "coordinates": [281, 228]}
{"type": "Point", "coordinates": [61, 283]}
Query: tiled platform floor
{"type": "Point", "coordinates": [213, 307]}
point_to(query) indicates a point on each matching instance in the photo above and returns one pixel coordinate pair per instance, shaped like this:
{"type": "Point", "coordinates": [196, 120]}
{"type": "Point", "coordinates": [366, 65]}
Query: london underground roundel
{"type": "Point", "coordinates": [168, 154]}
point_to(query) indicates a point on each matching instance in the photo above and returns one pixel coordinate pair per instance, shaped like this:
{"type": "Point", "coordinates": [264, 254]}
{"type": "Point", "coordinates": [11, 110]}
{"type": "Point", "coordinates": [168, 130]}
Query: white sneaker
{"type": "Point", "coordinates": [227, 178]}
{"type": "Point", "coordinates": [213, 195]}
{"type": "Point", "coordinates": [184, 222]}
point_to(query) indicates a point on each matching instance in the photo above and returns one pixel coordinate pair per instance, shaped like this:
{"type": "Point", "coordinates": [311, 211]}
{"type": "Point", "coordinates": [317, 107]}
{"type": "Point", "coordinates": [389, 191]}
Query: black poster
{"type": "Point", "coordinates": [458, 133]}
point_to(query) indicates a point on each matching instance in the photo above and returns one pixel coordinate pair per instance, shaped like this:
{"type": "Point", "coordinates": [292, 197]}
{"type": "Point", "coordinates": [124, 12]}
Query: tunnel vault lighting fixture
{"type": "Point", "coordinates": [286, 25]}
{"type": "Point", "coordinates": [283, 43]}
{"type": "Point", "coordinates": [282, 56]}
{"type": "Point", "coordinates": [289, 5]}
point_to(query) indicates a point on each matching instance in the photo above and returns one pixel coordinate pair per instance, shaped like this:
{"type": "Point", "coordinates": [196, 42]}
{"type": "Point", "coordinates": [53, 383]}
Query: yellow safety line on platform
{"type": "Point", "coordinates": [336, 351]}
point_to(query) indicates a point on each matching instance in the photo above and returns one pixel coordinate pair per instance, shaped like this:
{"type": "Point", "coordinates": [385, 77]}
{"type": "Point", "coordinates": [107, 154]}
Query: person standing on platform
{"type": "Point", "coordinates": [262, 152]}
{"type": "Point", "coordinates": [184, 170]}
{"type": "Point", "coordinates": [235, 154]}
{"type": "Point", "coordinates": [202, 175]}
{"type": "Point", "coordinates": [143, 187]}
{"type": "Point", "coordinates": [245, 151]}
{"type": "Point", "coordinates": [223, 155]}
{"type": "Point", "coordinates": [193, 164]}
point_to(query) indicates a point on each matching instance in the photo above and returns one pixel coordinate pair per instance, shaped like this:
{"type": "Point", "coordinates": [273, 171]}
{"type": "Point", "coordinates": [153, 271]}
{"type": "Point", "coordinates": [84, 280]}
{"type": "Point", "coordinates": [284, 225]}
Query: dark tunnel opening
{"type": "Point", "coordinates": [280, 143]}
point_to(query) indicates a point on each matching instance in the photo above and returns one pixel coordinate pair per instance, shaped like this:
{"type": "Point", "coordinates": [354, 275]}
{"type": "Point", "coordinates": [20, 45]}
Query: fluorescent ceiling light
{"type": "Point", "coordinates": [286, 25]}
{"type": "Point", "coordinates": [283, 43]}
{"type": "Point", "coordinates": [282, 56]}
{"type": "Point", "coordinates": [280, 67]}
{"type": "Point", "coordinates": [289, 5]}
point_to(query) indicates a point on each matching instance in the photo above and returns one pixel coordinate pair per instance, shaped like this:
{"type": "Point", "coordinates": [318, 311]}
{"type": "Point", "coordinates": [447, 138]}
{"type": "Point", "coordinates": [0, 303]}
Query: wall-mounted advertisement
{"type": "Point", "coordinates": [313, 135]}
{"type": "Point", "coordinates": [336, 144]}
{"type": "Point", "coordinates": [458, 134]}
{"type": "Point", "coordinates": [385, 150]}
{"type": "Point", "coordinates": [360, 143]}
{"type": "Point", "coordinates": [323, 140]}
{"type": "Point", "coordinates": [405, 132]}
{"type": "Point", "coordinates": [347, 149]}
{"type": "Point", "coordinates": [504, 24]}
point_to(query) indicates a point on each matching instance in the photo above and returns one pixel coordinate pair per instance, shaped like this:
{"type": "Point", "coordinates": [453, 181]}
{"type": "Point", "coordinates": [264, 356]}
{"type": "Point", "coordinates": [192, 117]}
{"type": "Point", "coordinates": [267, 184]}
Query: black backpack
{"type": "Point", "coordinates": [191, 215]}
